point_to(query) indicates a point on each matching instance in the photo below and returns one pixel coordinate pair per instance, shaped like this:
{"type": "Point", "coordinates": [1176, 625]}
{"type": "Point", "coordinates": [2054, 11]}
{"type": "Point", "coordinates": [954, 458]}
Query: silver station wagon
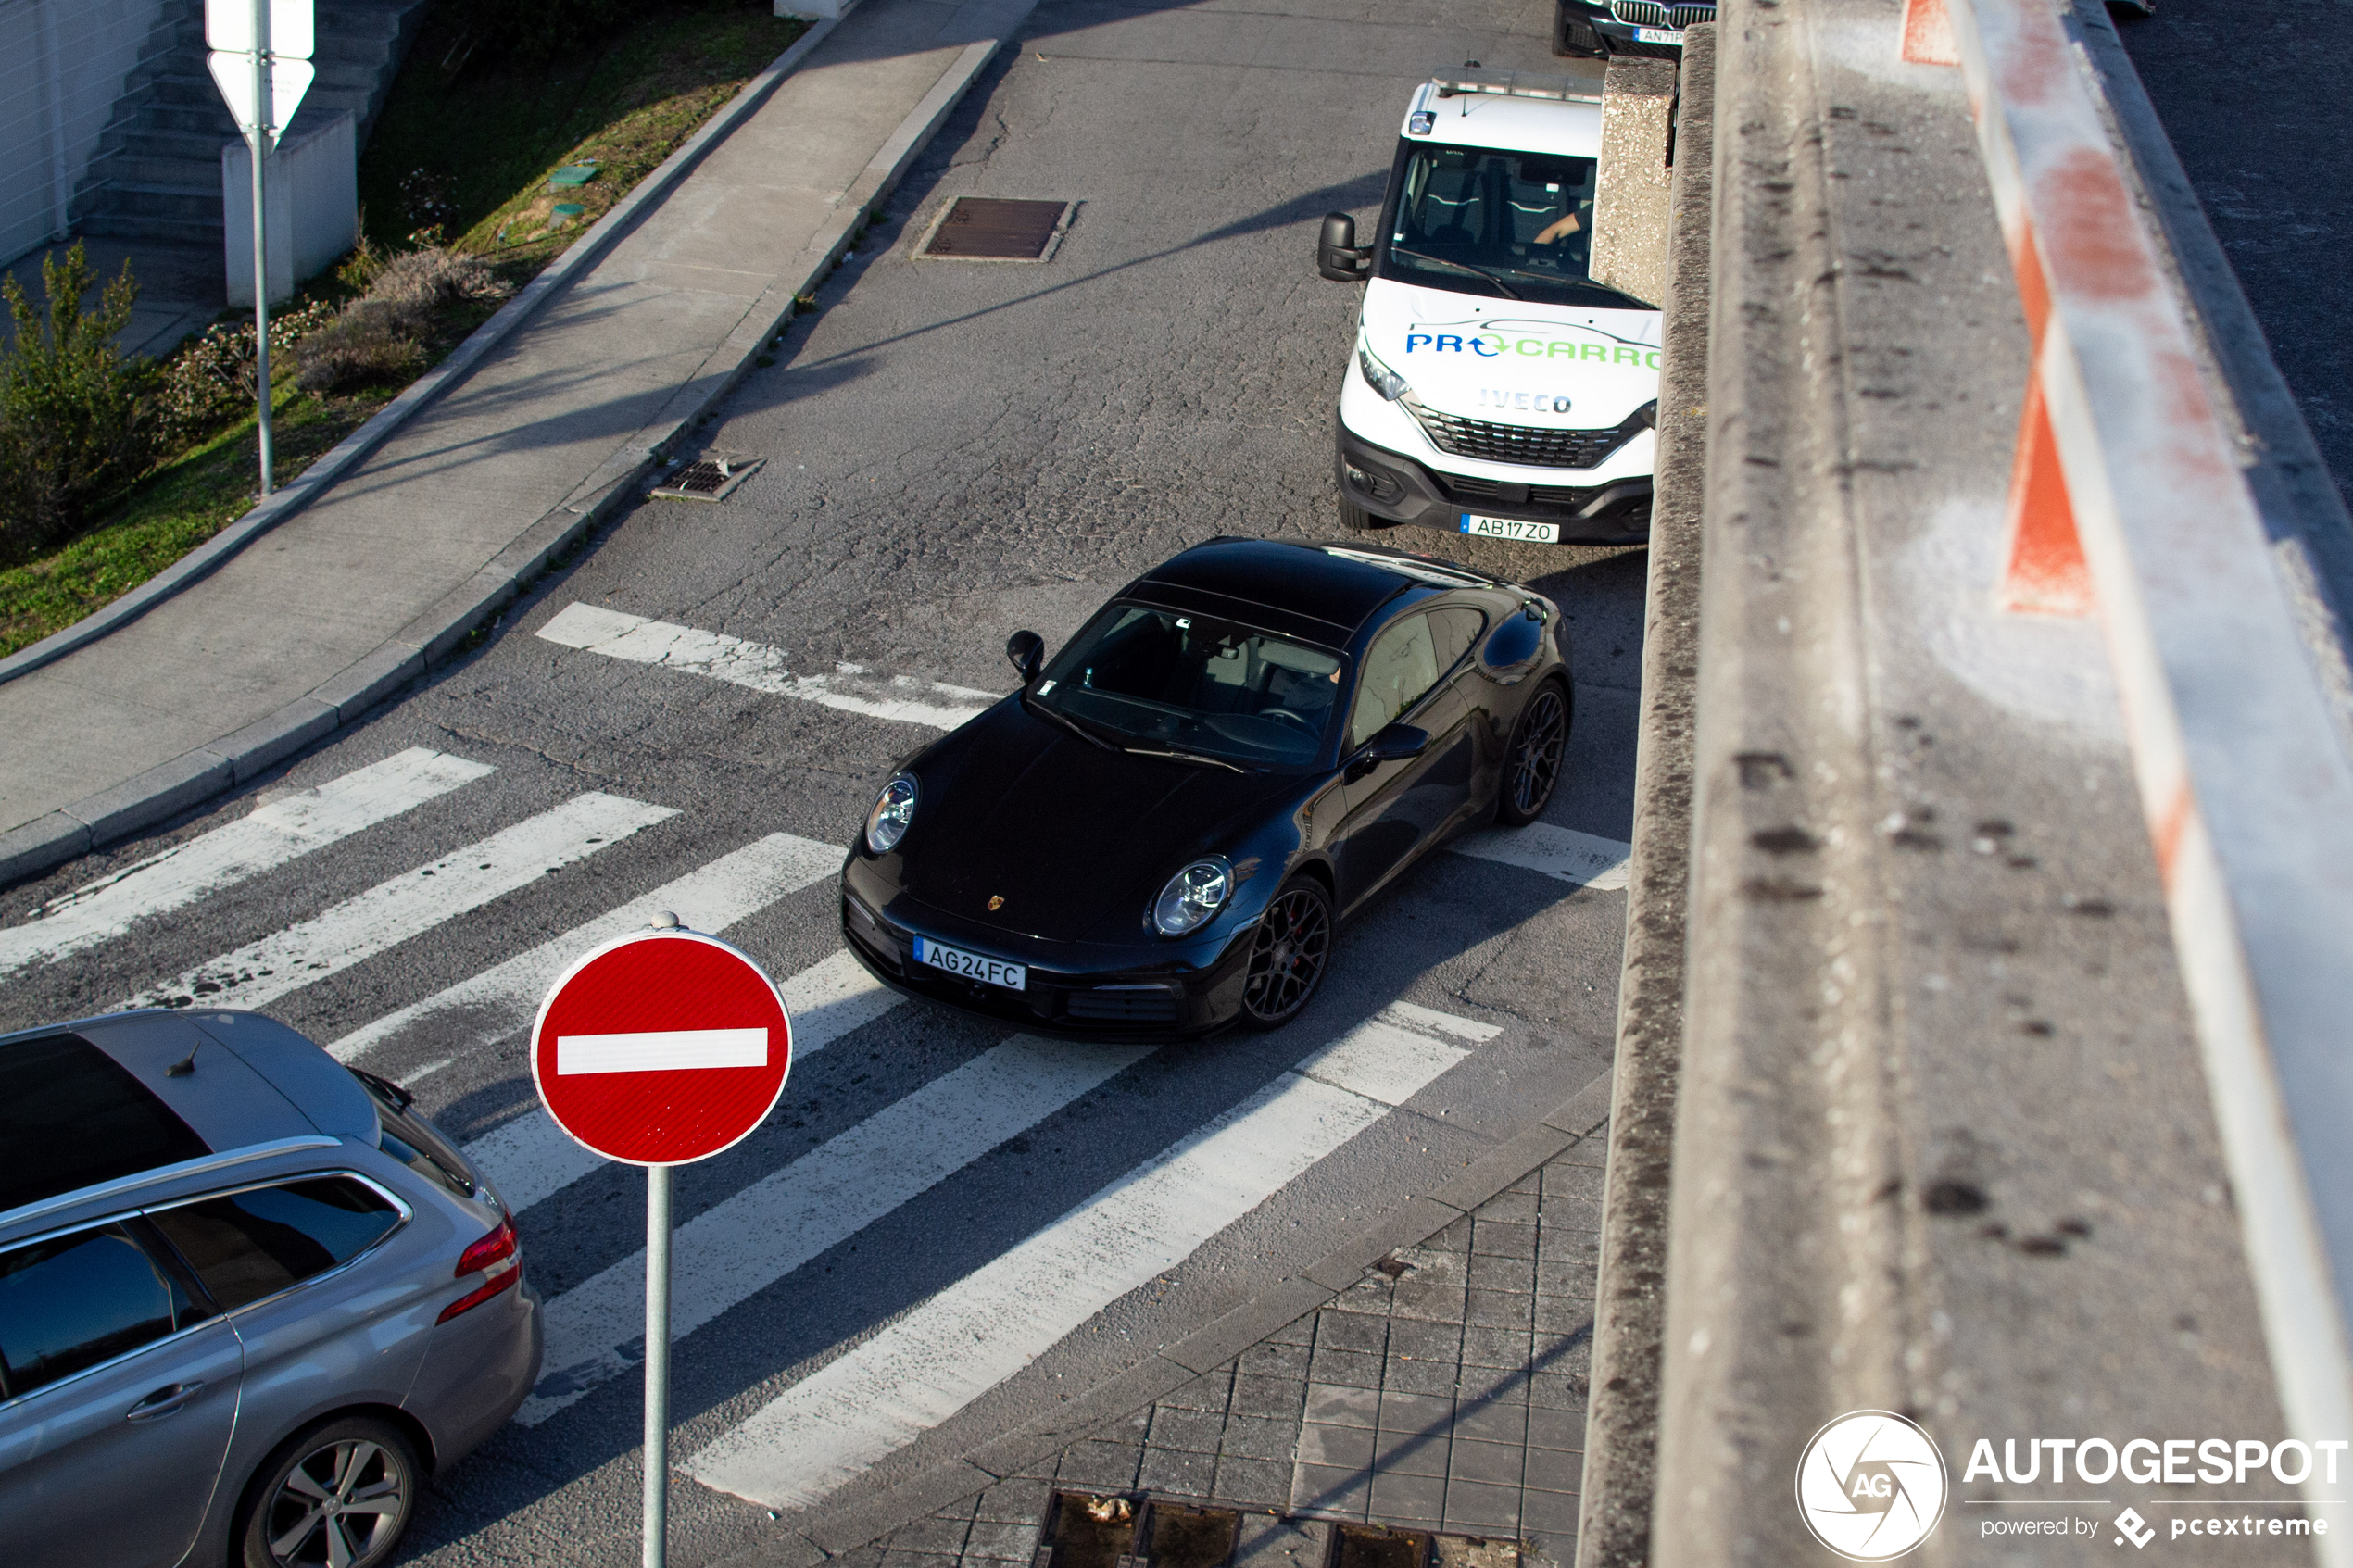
{"type": "Point", "coordinates": [249, 1300]}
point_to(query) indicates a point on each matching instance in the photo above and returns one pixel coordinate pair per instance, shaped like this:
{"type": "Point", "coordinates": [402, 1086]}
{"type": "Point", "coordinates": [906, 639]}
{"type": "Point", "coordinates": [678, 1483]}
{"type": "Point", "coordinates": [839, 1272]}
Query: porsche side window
{"type": "Point", "coordinates": [1459, 628]}
{"type": "Point", "coordinates": [1400, 668]}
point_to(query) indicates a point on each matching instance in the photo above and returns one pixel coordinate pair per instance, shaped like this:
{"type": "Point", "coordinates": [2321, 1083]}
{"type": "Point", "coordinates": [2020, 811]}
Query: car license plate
{"type": "Point", "coordinates": [1505, 528]}
{"type": "Point", "coordinates": [1658, 35]}
{"type": "Point", "coordinates": [972, 966]}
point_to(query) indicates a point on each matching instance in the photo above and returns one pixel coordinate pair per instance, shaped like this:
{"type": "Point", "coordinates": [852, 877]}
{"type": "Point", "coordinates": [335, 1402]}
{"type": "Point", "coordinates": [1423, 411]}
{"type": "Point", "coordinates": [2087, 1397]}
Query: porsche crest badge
{"type": "Point", "coordinates": [996, 902]}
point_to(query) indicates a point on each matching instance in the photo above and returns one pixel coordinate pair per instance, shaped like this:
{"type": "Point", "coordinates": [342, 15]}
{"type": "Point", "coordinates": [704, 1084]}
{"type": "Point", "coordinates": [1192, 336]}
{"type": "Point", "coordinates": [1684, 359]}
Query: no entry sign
{"type": "Point", "coordinates": [661, 1048]}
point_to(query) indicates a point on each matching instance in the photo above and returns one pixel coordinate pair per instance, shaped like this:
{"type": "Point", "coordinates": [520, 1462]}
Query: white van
{"type": "Point", "coordinates": [1496, 388]}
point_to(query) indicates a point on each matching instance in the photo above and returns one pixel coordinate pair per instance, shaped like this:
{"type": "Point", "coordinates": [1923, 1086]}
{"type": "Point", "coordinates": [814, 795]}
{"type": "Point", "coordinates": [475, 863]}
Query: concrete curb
{"type": "Point", "coordinates": [208, 557]}
{"type": "Point", "coordinates": [1614, 1522]}
{"type": "Point", "coordinates": [829, 1532]}
{"type": "Point", "coordinates": [196, 775]}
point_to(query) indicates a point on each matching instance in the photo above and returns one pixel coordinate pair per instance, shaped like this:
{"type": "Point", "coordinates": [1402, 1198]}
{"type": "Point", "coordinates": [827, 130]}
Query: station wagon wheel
{"type": "Point", "coordinates": [1532, 768]}
{"type": "Point", "coordinates": [336, 1496]}
{"type": "Point", "coordinates": [1288, 955]}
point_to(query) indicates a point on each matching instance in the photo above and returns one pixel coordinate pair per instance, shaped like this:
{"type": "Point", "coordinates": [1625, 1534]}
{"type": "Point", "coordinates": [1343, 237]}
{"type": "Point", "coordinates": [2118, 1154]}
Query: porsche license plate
{"type": "Point", "coordinates": [971, 966]}
{"type": "Point", "coordinates": [1658, 35]}
{"type": "Point", "coordinates": [1505, 528]}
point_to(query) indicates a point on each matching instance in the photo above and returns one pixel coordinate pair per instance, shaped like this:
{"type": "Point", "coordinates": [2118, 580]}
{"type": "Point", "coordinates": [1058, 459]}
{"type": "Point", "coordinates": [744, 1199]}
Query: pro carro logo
{"type": "Point", "coordinates": [1871, 1486]}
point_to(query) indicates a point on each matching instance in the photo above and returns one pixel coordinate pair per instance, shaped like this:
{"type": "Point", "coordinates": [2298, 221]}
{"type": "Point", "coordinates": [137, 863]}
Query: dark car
{"type": "Point", "coordinates": [249, 1299]}
{"type": "Point", "coordinates": [1159, 833]}
{"type": "Point", "coordinates": [1596, 29]}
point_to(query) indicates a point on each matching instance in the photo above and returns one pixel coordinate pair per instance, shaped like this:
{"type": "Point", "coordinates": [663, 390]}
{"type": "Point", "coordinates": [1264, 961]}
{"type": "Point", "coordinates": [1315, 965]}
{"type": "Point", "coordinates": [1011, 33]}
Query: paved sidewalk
{"type": "Point", "coordinates": [321, 616]}
{"type": "Point", "coordinates": [1446, 1391]}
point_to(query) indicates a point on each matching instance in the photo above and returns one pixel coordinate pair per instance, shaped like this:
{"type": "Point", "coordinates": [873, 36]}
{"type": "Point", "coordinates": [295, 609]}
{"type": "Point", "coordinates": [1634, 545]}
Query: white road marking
{"type": "Point", "coordinates": [531, 1157]}
{"type": "Point", "coordinates": [659, 1050]}
{"type": "Point", "coordinates": [285, 829]}
{"type": "Point", "coordinates": [759, 667]}
{"type": "Point", "coordinates": [734, 1252]}
{"type": "Point", "coordinates": [1565, 853]}
{"type": "Point", "coordinates": [980, 1331]}
{"type": "Point", "coordinates": [410, 905]}
{"type": "Point", "coordinates": [498, 1002]}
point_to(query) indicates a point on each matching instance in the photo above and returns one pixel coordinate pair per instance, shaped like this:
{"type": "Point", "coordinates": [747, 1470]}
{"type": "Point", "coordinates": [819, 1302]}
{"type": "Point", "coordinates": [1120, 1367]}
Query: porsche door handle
{"type": "Point", "coordinates": [167, 1401]}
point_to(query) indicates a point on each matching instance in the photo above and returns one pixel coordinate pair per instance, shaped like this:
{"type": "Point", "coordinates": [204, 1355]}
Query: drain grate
{"type": "Point", "coordinates": [996, 228]}
{"type": "Point", "coordinates": [709, 478]}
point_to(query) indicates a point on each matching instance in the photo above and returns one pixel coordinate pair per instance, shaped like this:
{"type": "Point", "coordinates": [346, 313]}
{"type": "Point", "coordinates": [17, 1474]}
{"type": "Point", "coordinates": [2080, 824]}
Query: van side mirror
{"type": "Point", "coordinates": [1337, 256]}
{"type": "Point", "coordinates": [1027, 650]}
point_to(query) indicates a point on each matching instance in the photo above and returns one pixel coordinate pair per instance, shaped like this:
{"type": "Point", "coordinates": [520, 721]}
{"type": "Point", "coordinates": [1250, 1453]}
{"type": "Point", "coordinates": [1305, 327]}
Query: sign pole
{"type": "Point", "coordinates": [260, 140]}
{"type": "Point", "coordinates": [656, 1364]}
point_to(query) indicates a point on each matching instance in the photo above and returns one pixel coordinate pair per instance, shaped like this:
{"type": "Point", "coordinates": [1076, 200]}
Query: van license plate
{"type": "Point", "coordinates": [1658, 35]}
{"type": "Point", "coordinates": [1505, 528]}
{"type": "Point", "coordinates": [972, 966]}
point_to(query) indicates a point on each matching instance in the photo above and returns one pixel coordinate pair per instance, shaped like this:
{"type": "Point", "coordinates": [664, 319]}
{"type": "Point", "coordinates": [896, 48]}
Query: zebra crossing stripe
{"type": "Point", "coordinates": [1561, 853]}
{"type": "Point", "coordinates": [961, 1343]}
{"type": "Point", "coordinates": [487, 1008]}
{"type": "Point", "coordinates": [721, 658]}
{"type": "Point", "coordinates": [284, 829]}
{"type": "Point", "coordinates": [732, 1252]}
{"type": "Point", "coordinates": [531, 1157]}
{"type": "Point", "coordinates": [408, 905]}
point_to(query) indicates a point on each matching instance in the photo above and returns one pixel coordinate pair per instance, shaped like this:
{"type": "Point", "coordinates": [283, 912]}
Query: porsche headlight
{"type": "Point", "coordinates": [894, 809]}
{"type": "Point", "coordinates": [1379, 377]}
{"type": "Point", "coordinates": [1193, 896]}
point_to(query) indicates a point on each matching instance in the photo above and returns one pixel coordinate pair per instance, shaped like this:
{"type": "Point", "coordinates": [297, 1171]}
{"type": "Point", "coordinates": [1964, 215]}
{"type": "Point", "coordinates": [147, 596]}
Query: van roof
{"type": "Point", "coordinates": [1563, 127]}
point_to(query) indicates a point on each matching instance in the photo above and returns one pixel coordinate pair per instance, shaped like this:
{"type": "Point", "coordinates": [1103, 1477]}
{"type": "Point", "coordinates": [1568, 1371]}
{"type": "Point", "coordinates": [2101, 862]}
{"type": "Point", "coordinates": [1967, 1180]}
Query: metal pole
{"type": "Point", "coordinates": [656, 1364]}
{"type": "Point", "coordinates": [261, 141]}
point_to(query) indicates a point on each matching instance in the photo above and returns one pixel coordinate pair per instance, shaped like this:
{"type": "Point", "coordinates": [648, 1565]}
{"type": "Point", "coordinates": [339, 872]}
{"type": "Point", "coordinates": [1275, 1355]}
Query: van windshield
{"type": "Point", "coordinates": [1502, 224]}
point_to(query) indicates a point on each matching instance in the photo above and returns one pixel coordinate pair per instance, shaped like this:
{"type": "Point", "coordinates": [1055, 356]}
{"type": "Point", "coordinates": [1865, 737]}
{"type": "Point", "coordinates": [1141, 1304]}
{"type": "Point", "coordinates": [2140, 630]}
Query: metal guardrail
{"type": "Point", "coordinates": [2246, 790]}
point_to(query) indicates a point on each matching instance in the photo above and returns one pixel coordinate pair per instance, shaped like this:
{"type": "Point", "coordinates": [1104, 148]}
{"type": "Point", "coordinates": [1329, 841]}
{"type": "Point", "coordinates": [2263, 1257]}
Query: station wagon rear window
{"type": "Point", "coordinates": [71, 1116]}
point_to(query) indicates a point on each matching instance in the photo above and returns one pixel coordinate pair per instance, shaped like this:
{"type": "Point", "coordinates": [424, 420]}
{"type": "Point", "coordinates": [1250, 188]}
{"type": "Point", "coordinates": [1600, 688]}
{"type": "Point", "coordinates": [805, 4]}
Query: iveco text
{"type": "Point", "coordinates": [1496, 389]}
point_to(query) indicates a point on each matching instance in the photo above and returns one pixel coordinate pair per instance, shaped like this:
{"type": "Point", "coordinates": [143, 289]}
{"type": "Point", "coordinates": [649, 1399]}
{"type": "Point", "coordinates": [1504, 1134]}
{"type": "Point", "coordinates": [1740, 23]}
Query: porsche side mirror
{"type": "Point", "coordinates": [1337, 256]}
{"type": "Point", "coordinates": [1394, 744]}
{"type": "Point", "coordinates": [1027, 650]}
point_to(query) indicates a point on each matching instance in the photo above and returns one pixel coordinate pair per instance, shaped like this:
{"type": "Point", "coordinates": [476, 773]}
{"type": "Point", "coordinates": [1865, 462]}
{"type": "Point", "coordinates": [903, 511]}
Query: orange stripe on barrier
{"type": "Point", "coordinates": [2047, 573]}
{"type": "Point", "coordinates": [2168, 830]}
{"type": "Point", "coordinates": [2033, 289]}
{"type": "Point", "coordinates": [1928, 34]}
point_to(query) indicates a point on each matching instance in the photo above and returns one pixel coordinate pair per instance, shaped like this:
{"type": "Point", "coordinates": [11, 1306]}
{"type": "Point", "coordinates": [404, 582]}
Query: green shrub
{"type": "Point", "coordinates": [73, 426]}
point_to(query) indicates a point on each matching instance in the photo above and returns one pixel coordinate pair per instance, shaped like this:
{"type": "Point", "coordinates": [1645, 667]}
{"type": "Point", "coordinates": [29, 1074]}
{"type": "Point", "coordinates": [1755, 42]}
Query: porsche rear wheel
{"type": "Point", "coordinates": [1532, 766]}
{"type": "Point", "coordinates": [1289, 956]}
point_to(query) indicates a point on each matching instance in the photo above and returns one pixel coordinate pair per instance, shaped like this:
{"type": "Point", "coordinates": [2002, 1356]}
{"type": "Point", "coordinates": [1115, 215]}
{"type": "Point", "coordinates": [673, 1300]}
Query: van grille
{"type": "Point", "coordinates": [1528, 445]}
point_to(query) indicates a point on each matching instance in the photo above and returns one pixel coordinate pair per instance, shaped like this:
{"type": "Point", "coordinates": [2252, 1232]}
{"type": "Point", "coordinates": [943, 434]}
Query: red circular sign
{"type": "Point", "coordinates": [661, 1047]}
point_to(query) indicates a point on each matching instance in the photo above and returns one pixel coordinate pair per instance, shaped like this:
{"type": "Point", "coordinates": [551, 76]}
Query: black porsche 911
{"type": "Point", "coordinates": [1159, 833]}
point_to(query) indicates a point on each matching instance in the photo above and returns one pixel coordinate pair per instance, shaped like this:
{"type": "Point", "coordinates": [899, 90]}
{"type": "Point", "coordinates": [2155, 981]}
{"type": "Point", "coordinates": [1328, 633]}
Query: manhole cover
{"type": "Point", "coordinates": [709, 478]}
{"type": "Point", "coordinates": [995, 229]}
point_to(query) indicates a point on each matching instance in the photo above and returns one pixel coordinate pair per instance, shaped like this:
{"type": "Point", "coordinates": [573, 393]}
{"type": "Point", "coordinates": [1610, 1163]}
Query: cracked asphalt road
{"type": "Point", "coordinates": [956, 450]}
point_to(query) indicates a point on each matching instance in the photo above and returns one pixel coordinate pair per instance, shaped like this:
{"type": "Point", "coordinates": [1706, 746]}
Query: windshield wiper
{"type": "Point", "coordinates": [1501, 287]}
{"type": "Point", "coordinates": [1186, 757]}
{"type": "Point", "coordinates": [1072, 725]}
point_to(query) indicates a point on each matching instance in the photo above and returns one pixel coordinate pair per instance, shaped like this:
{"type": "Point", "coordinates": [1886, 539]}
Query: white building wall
{"type": "Point", "coordinates": [62, 64]}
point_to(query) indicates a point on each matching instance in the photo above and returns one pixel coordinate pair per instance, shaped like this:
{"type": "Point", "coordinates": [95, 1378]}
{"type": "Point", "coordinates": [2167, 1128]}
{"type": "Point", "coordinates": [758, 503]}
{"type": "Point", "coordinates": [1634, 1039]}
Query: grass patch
{"type": "Point", "coordinates": [467, 150]}
{"type": "Point", "coordinates": [471, 153]}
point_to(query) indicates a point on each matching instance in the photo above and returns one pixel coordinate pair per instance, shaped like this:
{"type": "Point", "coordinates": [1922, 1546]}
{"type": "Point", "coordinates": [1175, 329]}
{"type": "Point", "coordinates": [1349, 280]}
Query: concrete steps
{"type": "Point", "coordinates": [157, 172]}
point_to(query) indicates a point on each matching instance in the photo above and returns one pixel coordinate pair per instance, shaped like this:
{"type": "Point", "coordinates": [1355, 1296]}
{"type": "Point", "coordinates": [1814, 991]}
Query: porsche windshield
{"type": "Point", "coordinates": [1146, 679]}
{"type": "Point", "coordinates": [1502, 224]}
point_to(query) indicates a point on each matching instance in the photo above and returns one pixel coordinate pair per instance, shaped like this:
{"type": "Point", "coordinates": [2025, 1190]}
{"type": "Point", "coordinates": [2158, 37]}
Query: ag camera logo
{"type": "Point", "coordinates": [1871, 1486]}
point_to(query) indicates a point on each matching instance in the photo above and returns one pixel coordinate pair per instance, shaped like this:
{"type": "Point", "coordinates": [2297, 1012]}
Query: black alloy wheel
{"type": "Point", "coordinates": [1289, 956]}
{"type": "Point", "coordinates": [1533, 770]}
{"type": "Point", "coordinates": [336, 1496]}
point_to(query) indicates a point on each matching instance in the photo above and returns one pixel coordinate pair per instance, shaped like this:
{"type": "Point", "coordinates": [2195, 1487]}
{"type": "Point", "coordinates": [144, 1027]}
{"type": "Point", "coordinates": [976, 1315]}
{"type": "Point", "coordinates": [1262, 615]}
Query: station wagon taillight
{"type": "Point", "coordinates": [496, 1258]}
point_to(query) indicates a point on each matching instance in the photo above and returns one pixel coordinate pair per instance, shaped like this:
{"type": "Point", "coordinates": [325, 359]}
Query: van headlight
{"type": "Point", "coordinates": [1193, 896]}
{"type": "Point", "coordinates": [1379, 377]}
{"type": "Point", "coordinates": [894, 809]}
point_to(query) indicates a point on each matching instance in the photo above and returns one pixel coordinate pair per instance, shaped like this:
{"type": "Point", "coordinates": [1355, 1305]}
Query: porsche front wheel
{"type": "Point", "coordinates": [1289, 956]}
{"type": "Point", "coordinates": [1533, 765]}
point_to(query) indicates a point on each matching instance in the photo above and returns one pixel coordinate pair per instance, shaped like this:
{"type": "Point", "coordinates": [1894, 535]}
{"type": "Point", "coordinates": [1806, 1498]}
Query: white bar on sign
{"type": "Point", "coordinates": [660, 1050]}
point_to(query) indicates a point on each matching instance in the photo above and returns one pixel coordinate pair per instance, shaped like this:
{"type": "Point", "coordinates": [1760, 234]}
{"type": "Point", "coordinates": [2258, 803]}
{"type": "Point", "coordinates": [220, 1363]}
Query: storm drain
{"type": "Point", "coordinates": [709, 478]}
{"type": "Point", "coordinates": [1130, 1531]}
{"type": "Point", "coordinates": [996, 228]}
